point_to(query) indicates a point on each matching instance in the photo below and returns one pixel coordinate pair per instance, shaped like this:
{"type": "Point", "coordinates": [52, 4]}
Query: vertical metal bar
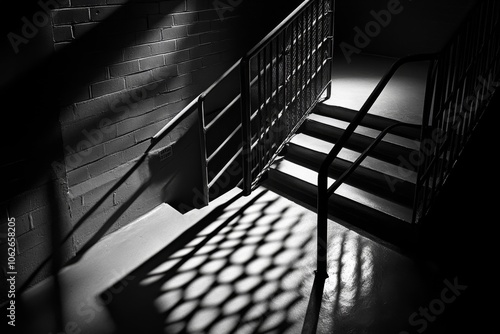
{"type": "Point", "coordinates": [322, 228]}
{"type": "Point", "coordinates": [265, 110]}
{"type": "Point", "coordinates": [428, 98]}
{"type": "Point", "coordinates": [260, 150]}
{"type": "Point", "coordinates": [246, 125]}
{"type": "Point", "coordinates": [317, 84]}
{"type": "Point", "coordinates": [203, 146]}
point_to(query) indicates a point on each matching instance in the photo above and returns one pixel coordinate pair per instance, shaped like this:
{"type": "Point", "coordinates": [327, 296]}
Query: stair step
{"type": "Point", "coordinates": [391, 149]}
{"type": "Point", "coordinates": [349, 201]}
{"type": "Point", "coordinates": [370, 121]}
{"type": "Point", "coordinates": [388, 180]}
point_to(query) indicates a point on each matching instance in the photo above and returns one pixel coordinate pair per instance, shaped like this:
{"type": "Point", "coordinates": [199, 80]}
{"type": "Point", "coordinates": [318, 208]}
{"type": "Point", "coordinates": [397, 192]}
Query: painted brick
{"type": "Point", "coordinates": [136, 52]}
{"type": "Point", "coordinates": [179, 82]}
{"type": "Point", "coordinates": [102, 13]}
{"type": "Point", "coordinates": [187, 42]}
{"type": "Point", "coordinates": [185, 18]}
{"type": "Point", "coordinates": [119, 144]}
{"type": "Point", "coordinates": [135, 152]}
{"type": "Point", "coordinates": [117, 2]}
{"type": "Point", "coordinates": [165, 72]}
{"type": "Point", "coordinates": [189, 66]}
{"type": "Point", "coordinates": [151, 62]}
{"type": "Point", "coordinates": [160, 21]}
{"type": "Point", "coordinates": [84, 157]}
{"type": "Point", "coordinates": [208, 15]}
{"type": "Point", "coordinates": [62, 33]}
{"type": "Point", "coordinates": [19, 205]}
{"type": "Point", "coordinates": [216, 58]}
{"type": "Point", "coordinates": [162, 47]}
{"type": "Point", "coordinates": [169, 98]}
{"type": "Point", "coordinates": [105, 164]}
{"type": "Point", "coordinates": [60, 46]}
{"type": "Point", "coordinates": [198, 28]}
{"type": "Point", "coordinates": [138, 79]}
{"type": "Point", "coordinates": [137, 101]}
{"type": "Point", "coordinates": [174, 32]}
{"type": "Point", "coordinates": [173, 6]}
{"type": "Point", "coordinates": [123, 69]}
{"type": "Point", "coordinates": [107, 87]}
{"type": "Point", "coordinates": [83, 28]}
{"type": "Point", "coordinates": [193, 5]}
{"type": "Point", "coordinates": [225, 24]}
{"type": "Point", "coordinates": [132, 25]}
{"type": "Point", "coordinates": [23, 225]}
{"type": "Point", "coordinates": [216, 36]}
{"type": "Point", "coordinates": [148, 36]}
{"type": "Point", "coordinates": [70, 16]}
{"type": "Point", "coordinates": [148, 7]}
{"type": "Point", "coordinates": [177, 57]}
{"type": "Point", "coordinates": [210, 48]}
{"type": "Point", "coordinates": [92, 107]}
{"type": "Point", "coordinates": [78, 176]}
{"type": "Point", "coordinates": [147, 132]}
{"type": "Point", "coordinates": [34, 238]}
{"type": "Point", "coordinates": [77, 3]}
{"type": "Point", "coordinates": [39, 197]}
{"type": "Point", "coordinates": [67, 114]}
{"type": "Point", "coordinates": [129, 125]}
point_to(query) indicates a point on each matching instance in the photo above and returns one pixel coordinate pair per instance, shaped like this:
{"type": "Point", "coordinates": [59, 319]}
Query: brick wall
{"type": "Point", "coordinates": [127, 68]}
{"type": "Point", "coordinates": [118, 71]}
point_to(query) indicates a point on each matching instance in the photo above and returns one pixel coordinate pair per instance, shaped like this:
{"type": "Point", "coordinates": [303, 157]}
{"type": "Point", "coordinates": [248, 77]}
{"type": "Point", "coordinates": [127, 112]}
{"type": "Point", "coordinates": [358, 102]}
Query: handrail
{"type": "Point", "coordinates": [189, 109]}
{"type": "Point", "coordinates": [323, 192]}
{"type": "Point", "coordinates": [368, 104]}
{"type": "Point", "coordinates": [340, 180]}
{"type": "Point", "coordinates": [270, 36]}
{"type": "Point", "coordinates": [186, 111]}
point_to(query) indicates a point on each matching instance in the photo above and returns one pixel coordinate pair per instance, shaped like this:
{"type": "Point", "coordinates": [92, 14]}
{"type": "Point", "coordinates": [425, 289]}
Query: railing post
{"type": "Point", "coordinates": [203, 148]}
{"type": "Point", "coordinates": [246, 127]}
{"type": "Point", "coordinates": [322, 227]}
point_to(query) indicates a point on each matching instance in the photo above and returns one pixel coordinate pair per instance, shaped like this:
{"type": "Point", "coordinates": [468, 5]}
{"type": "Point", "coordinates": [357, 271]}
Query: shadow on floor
{"type": "Point", "coordinates": [250, 269]}
{"type": "Point", "coordinates": [235, 271]}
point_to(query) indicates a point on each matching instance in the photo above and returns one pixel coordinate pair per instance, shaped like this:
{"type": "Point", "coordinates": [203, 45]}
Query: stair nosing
{"type": "Point", "coordinates": [405, 213]}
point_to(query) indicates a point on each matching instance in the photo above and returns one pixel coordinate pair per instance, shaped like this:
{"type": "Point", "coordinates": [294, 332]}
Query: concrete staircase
{"type": "Point", "coordinates": [378, 198]}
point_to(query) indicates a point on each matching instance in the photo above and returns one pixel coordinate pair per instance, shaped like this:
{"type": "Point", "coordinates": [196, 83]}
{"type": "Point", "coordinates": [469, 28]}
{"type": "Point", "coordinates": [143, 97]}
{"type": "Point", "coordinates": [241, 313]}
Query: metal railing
{"type": "Point", "coordinates": [459, 90]}
{"type": "Point", "coordinates": [282, 79]}
{"type": "Point", "coordinates": [247, 115]}
{"type": "Point", "coordinates": [453, 106]}
{"type": "Point", "coordinates": [325, 192]}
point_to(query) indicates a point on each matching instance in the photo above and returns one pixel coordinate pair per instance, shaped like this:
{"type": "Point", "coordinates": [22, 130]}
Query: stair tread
{"type": "Point", "coordinates": [370, 120]}
{"type": "Point", "coordinates": [360, 196]}
{"type": "Point", "coordinates": [363, 130]}
{"type": "Point", "coordinates": [324, 147]}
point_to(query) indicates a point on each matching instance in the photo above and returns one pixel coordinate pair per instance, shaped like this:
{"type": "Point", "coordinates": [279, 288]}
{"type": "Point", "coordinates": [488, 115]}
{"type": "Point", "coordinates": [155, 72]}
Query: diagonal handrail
{"type": "Point", "coordinates": [323, 190]}
{"type": "Point", "coordinates": [190, 108]}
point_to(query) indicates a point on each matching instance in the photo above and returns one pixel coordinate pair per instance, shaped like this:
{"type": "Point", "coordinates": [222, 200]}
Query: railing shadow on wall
{"type": "Point", "coordinates": [146, 174]}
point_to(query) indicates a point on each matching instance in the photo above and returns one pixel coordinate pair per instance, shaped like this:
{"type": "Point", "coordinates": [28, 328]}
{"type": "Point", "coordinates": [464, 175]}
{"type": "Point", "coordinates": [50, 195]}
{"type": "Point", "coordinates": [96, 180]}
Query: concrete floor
{"type": "Point", "coordinates": [245, 265]}
{"type": "Point", "coordinates": [354, 80]}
